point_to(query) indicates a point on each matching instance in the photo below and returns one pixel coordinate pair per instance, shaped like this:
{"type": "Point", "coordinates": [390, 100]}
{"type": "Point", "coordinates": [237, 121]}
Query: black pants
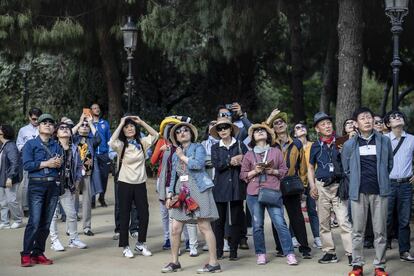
{"type": "Point", "coordinates": [236, 216]}
{"type": "Point", "coordinates": [129, 193]}
{"type": "Point", "coordinates": [104, 163]}
{"type": "Point", "coordinates": [133, 226]}
{"type": "Point", "coordinates": [294, 210]}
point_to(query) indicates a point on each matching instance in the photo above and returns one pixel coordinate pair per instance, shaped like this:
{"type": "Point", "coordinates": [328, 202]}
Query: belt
{"type": "Point", "coordinates": [401, 180]}
{"type": "Point", "coordinates": [43, 179]}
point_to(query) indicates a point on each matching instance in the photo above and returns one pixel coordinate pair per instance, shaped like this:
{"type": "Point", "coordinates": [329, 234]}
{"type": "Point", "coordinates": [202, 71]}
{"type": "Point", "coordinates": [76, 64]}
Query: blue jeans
{"type": "Point", "coordinates": [42, 200]}
{"type": "Point", "coordinates": [276, 215]}
{"type": "Point", "coordinates": [312, 213]}
{"type": "Point", "coordinates": [401, 197]}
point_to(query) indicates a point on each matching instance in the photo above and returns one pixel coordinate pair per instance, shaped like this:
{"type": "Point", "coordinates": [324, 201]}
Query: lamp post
{"type": "Point", "coordinates": [25, 68]}
{"type": "Point", "coordinates": [396, 10]}
{"type": "Point", "coordinates": [130, 34]}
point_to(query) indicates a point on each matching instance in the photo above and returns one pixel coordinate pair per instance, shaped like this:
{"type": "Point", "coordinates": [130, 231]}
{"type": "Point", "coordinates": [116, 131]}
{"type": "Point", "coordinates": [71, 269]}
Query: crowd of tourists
{"type": "Point", "coordinates": [219, 183]}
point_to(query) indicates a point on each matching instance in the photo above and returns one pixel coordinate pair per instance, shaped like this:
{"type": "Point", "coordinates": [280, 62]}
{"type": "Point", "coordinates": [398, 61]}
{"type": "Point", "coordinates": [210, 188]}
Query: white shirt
{"type": "Point", "coordinates": [26, 133]}
{"type": "Point", "coordinates": [233, 141]}
{"type": "Point", "coordinates": [404, 158]}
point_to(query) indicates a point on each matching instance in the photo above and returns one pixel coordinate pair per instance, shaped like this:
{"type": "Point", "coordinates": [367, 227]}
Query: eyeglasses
{"type": "Point", "coordinates": [395, 116]}
{"type": "Point", "coordinates": [257, 130]}
{"type": "Point", "coordinates": [297, 127]}
{"type": "Point", "coordinates": [182, 130]}
{"type": "Point", "coordinates": [278, 122]}
{"type": "Point", "coordinates": [33, 119]}
{"type": "Point", "coordinates": [64, 127]}
{"type": "Point", "coordinates": [225, 114]}
{"type": "Point", "coordinates": [222, 127]}
{"type": "Point", "coordinates": [378, 122]}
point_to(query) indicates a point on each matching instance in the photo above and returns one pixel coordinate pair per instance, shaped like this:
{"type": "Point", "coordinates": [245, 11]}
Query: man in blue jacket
{"type": "Point", "coordinates": [42, 159]}
{"type": "Point", "coordinates": [368, 160]}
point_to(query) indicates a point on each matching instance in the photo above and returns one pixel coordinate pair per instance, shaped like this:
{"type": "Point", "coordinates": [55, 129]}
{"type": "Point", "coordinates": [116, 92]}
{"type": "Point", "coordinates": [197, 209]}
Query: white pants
{"type": "Point", "coordinates": [67, 200]}
{"type": "Point", "coordinates": [8, 201]}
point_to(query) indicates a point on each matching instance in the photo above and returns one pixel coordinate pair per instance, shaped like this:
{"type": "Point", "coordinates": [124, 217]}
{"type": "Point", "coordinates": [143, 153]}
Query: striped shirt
{"type": "Point", "coordinates": [404, 157]}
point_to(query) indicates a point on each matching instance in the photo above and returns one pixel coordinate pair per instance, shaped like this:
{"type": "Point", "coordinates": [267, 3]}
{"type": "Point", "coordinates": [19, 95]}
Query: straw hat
{"type": "Point", "coordinates": [264, 126]}
{"type": "Point", "coordinates": [281, 115]}
{"type": "Point", "coordinates": [223, 121]}
{"type": "Point", "coordinates": [179, 125]}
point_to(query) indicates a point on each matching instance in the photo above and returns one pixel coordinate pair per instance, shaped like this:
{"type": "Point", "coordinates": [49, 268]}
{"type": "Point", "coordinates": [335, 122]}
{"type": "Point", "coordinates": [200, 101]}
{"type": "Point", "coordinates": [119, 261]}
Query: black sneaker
{"type": "Point", "coordinates": [279, 254]}
{"type": "Point", "coordinates": [306, 255]}
{"type": "Point", "coordinates": [88, 233]}
{"type": "Point", "coordinates": [209, 269]}
{"type": "Point", "coordinates": [350, 260]}
{"type": "Point", "coordinates": [243, 244]}
{"type": "Point", "coordinates": [328, 258]}
{"type": "Point", "coordinates": [406, 257]}
{"type": "Point", "coordinates": [233, 256]}
{"type": "Point", "coordinates": [171, 267]}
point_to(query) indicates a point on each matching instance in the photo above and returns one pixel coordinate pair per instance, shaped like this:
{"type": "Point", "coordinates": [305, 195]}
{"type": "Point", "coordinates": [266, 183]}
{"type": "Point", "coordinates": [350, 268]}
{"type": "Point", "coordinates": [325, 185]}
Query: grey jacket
{"type": "Point", "coordinates": [10, 163]}
{"type": "Point", "coordinates": [352, 165]}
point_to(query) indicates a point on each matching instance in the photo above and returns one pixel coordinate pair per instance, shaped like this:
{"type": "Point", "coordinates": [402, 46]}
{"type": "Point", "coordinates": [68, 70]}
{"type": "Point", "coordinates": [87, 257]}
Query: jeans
{"type": "Point", "coordinates": [278, 220]}
{"type": "Point", "coordinates": [401, 197]}
{"type": "Point", "coordinates": [43, 197]}
{"type": "Point", "coordinates": [133, 226]}
{"type": "Point", "coordinates": [312, 214]}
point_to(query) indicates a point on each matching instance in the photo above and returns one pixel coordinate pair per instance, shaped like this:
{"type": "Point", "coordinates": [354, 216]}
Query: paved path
{"type": "Point", "coordinates": [103, 257]}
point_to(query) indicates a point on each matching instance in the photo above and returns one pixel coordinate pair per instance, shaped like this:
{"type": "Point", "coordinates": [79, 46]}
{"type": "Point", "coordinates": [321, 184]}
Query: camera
{"type": "Point", "coordinates": [229, 106]}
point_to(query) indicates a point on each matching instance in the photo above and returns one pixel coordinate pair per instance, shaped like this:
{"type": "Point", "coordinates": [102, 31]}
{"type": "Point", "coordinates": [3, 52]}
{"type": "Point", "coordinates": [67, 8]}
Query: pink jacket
{"type": "Point", "coordinates": [272, 181]}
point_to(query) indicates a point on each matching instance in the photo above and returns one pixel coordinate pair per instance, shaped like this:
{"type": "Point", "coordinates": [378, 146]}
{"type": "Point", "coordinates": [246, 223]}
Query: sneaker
{"type": "Point", "coordinates": [306, 255]}
{"type": "Point", "coordinates": [279, 254]}
{"type": "Point", "coordinates": [4, 226]}
{"type": "Point", "coordinates": [350, 260]}
{"type": "Point", "coordinates": [317, 243]}
{"type": "Point", "coordinates": [26, 261]}
{"type": "Point", "coordinates": [209, 269]}
{"type": "Point", "coordinates": [328, 258]}
{"type": "Point", "coordinates": [233, 256]}
{"type": "Point", "coordinates": [356, 271]}
{"type": "Point", "coordinates": [143, 249]}
{"type": "Point", "coordinates": [205, 247]}
{"type": "Point", "coordinates": [291, 259]}
{"type": "Point", "coordinates": [249, 231]}
{"type": "Point", "coordinates": [295, 242]}
{"type": "Point", "coordinates": [243, 244]}
{"type": "Point", "coordinates": [261, 259]}
{"type": "Point", "coordinates": [380, 272]}
{"type": "Point", "coordinates": [57, 246]}
{"type": "Point", "coordinates": [76, 243]}
{"type": "Point", "coordinates": [41, 259]}
{"type": "Point", "coordinates": [406, 257]}
{"type": "Point", "coordinates": [171, 267]}
{"type": "Point", "coordinates": [127, 252]}
{"type": "Point", "coordinates": [193, 252]}
{"type": "Point", "coordinates": [16, 225]}
{"type": "Point", "coordinates": [226, 247]}
{"type": "Point", "coordinates": [134, 235]}
{"type": "Point", "coordinates": [115, 237]}
{"type": "Point", "coordinates": [88, 232]}
{"type": "Point", "coordinates": [166, 245]}
{"type": "Point", "coordinates": [187, 246]}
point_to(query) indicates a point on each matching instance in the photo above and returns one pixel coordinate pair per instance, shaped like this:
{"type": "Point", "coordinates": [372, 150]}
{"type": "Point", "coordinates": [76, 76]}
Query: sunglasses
{"type": "Point", "coordinates": [64, 127]}
{"type": "Point", "coordinates": [85, 124]}
{"type": "Point", "coordinates": [33, 118]}
{"type": "Point", "coordinates": [182, 130]}
{"type": "Point", "coordinates": [297, 127]}
{"type": "Point", "coordinates": [225, 114]}
{"type": "Point", "coordinates": [222, 127]}
{"type": "Point", "coordinates": [278, 122]}
{"type": "Point", "coordinates": [47, 122]}
{"type": "Point", "coordinates": [257, 130]}
{"type": "Point", "coordinates": [378, 122]}
{"type": "Point", "coordinates": [395, 116]}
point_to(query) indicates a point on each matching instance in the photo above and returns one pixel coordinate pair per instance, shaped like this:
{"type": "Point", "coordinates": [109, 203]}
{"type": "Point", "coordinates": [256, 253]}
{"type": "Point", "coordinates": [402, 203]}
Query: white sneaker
{"type": "Point", "coordinates": [226, 247]}
{"type": "Point", "coordinates": [193, 252]}
{"type": "Point", "coordinates": [57, 246]}
{"type": "Point", "coordinates": [205, 247]}
{"type": "Point", "coordinates": [143, 249]}
{"type": "Point", "coordinates": [127, 252]}
{"type": "Point", "coordinates": [295, 242]}
{"type": "Point", "coordinates": [16, 225]}
{"type": "Point", "coordinates": [4, 226]}
{"type": "Point", "coordinates": [76, 243]}
{"type": "Point", "coordinates": [317, 243]}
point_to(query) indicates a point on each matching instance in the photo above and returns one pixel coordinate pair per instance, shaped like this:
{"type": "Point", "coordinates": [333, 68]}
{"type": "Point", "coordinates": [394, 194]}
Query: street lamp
{"type": "Point", "coordinates": [130, 34]}
{"type": "Point", "coordinates": [25, 68]}
{"type": "Point", "coordinates": [396, 10]}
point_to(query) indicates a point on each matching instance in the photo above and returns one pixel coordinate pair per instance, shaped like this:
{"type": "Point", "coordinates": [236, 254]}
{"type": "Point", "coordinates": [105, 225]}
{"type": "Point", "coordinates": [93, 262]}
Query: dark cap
{"type": "Point", "coordinates": [320, 116]}
{"type": "Point", "coordinates": [45, 117]}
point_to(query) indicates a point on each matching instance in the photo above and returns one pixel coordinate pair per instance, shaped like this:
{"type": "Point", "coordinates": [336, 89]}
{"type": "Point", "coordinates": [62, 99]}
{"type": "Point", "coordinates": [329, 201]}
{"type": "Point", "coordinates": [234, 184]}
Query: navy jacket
{"type": "Point", "coordinates": [10, 163]}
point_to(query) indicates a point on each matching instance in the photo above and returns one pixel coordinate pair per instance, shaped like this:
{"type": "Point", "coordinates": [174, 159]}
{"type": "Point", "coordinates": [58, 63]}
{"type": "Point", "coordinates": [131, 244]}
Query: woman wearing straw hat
{"type": "Point", "coordinates": [262, 169]}
{"type": "Point", "coordinates": [229, 191]}
{"type": "Point", "coordinates": [195, 203]}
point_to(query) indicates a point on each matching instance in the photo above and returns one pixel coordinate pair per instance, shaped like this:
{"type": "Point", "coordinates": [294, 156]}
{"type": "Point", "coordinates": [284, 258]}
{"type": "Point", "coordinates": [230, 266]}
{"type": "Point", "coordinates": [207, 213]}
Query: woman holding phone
{"type": "Point", "coordinates": [131, 149]}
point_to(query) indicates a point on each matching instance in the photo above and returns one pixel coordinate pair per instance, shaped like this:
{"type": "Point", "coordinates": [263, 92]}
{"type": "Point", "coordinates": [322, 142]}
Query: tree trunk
{"type": "Point", "coordinates": [111, 73]}
{"type": "Point", "coordinates": [297, 70]}
{"type": "Point", "coordinates": [350, 29]}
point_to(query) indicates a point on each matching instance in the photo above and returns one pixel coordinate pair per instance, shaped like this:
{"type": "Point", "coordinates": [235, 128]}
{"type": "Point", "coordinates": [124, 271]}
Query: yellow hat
{"type": "Point", "coordinates": [167, 121]}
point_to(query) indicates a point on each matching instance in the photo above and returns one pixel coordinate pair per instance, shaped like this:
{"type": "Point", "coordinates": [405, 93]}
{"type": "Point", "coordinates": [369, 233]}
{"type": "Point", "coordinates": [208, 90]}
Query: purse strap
{"type": "Point", "coordinates": [394, 152]}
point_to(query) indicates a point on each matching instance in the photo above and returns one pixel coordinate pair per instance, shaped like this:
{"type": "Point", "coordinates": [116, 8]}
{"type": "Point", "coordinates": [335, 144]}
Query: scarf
{"type": "Point", "coordinates": [260, 150]}
{"type": "Point", "coordinates": [328, 140]}
{"type": "Point", "coordinates": [135, 143]}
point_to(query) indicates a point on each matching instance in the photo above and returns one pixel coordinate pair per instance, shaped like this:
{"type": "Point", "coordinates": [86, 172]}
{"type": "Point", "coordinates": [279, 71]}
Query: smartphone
{"type": "Point", "coordinates": [87, 111]}
{"type": "Point", "coordinates": [229, 106]}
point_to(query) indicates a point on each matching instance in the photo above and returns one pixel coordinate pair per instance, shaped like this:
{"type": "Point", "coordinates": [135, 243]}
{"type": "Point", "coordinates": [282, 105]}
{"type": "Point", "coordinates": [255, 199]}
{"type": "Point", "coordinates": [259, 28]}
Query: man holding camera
{"type": "Point", "coordinates": [324, 184]}
{"type": "Point", "coordinates": [368, 160]}
{"type": "Point", "coordinates": [42, 159]}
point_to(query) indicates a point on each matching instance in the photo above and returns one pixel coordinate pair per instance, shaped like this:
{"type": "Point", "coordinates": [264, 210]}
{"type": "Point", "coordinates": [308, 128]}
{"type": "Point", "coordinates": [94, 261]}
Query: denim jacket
{"type": "Point", "coordinates": [196, 167]}
{"type": "Point", "coordinates": [352, 164]}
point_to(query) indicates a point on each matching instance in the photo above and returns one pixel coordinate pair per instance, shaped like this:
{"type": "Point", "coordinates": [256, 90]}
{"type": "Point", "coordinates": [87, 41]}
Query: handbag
{"type": "Point", "coordinates": [292, 184]}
